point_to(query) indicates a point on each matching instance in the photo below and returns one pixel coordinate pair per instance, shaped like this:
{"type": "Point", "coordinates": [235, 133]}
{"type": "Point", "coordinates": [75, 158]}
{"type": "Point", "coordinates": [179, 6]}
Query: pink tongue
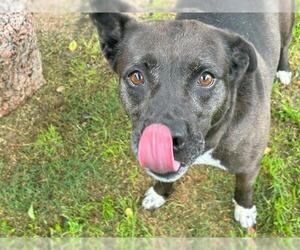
{"type": "Point", "coordinates": [156, 150]}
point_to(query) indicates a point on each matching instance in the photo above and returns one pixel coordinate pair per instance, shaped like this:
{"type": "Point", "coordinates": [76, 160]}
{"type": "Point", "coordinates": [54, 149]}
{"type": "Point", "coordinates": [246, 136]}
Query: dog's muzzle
{"type": "Point", "coordinates": [169, 177]}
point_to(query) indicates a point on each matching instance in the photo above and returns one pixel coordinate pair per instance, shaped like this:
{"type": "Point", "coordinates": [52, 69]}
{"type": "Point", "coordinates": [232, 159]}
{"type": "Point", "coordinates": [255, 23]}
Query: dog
{"type": "Point", "coordinates": [197, 90]}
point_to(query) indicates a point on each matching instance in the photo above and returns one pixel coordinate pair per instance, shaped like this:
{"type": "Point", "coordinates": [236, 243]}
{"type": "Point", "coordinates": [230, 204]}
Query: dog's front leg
{"type": "Point", "coordinates": [156, 196]}
{"type": "Point", "coordinates": [245, 210]}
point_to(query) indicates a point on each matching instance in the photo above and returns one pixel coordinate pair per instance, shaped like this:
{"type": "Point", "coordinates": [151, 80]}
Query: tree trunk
{"type": "Point", "coordinates": [20, 61]}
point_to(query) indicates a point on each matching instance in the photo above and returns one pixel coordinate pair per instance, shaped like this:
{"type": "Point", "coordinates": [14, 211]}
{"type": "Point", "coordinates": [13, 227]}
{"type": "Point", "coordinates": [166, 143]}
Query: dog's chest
{"type": "Point", "coordinates": [207, 159]}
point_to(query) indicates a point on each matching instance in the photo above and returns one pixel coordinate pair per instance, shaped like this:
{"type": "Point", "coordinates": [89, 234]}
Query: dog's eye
{"type": "Point", "coordinates": [136, 78]}
{"type": "Point", "coordinates": [206, 79]}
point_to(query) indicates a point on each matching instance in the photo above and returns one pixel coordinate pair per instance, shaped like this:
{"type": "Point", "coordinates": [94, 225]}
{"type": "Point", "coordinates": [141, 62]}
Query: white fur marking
{"type": "Point", "coordinates": [245, 216]}
{"type": "Point", "coordinates": [285, 77]}
{"type": "Point", "coordinates": [152, 200]}
{"type": "Point", "coordinates": [207, 159]}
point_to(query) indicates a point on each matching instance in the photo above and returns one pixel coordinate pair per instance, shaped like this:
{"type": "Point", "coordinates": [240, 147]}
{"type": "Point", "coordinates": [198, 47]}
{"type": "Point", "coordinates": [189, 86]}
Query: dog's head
{"type": "Point", "coordinates": [178, 75]}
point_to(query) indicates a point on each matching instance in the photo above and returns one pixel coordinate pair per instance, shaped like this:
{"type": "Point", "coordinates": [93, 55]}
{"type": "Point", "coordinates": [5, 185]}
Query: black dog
{"type": "Point", "coordinates": [197, 90]}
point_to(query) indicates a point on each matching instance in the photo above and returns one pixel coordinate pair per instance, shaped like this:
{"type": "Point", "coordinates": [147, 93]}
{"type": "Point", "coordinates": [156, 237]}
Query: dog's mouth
{"type": "Point", "coordinates": [169, 177]}
{"type": "Point", "coordinates": [156, 156]}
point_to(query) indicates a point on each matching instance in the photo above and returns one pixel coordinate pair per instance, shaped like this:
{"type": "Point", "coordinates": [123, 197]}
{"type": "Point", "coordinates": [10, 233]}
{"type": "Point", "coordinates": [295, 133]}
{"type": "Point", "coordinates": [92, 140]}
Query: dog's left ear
{"type": "Point", "coordinates": [111, 28]}
{"type": "Point", "coordinates": [242, 56]}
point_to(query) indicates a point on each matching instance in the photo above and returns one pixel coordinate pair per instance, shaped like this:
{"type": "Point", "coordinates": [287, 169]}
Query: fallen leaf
{"type": "Point", "coordinates": [60, 89]}
{"type": "Point", "coordinates": [251, 231]}
{"type": "Point", "coordinates": [73, 46]}
{"type": "Point", "coordinates": [267, 151]}
{"type": "Point", "coordinates": [31, 212]}
{"type": "Point", "coordinates": [129, 212]}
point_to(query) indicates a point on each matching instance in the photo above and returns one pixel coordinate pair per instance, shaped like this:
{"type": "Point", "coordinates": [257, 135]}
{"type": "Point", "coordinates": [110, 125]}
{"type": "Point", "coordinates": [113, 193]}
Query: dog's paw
{"type": "Point", "coordinates": [152, 200]}
{"type": "Point", "coordinates": [285, 77]}
{"type": "Point", "coordinates": [245, 216]}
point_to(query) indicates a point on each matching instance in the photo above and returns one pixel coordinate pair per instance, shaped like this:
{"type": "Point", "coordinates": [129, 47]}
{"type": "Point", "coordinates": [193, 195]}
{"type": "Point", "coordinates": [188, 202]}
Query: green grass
{"type": "Point", "coordinates": [66, 167]}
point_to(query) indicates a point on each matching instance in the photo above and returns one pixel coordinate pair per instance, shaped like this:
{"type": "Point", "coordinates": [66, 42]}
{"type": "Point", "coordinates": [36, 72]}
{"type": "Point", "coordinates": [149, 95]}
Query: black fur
{"type": "Point", "coordinates": [242, 51]}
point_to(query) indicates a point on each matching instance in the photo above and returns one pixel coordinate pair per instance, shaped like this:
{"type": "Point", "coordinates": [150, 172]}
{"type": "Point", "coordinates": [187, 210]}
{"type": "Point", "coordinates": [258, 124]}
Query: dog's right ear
{"type": "Point", "coordinates": [111, 28]}
{"type": "Point", "coordinates": [242, 56]}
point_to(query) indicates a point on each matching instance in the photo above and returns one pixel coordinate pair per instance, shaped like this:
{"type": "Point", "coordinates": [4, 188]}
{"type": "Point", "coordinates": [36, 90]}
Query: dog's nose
{"type": "Point", "coordinates": [178, 143]}
{"type": "Point", "coordinates": [178, 130]}
{"type": "Point", "coordinates": [179, 135]}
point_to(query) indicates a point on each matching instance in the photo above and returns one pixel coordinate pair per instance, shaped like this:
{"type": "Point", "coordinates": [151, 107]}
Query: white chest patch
{"type": "Point", "coordinates": [207, 159]}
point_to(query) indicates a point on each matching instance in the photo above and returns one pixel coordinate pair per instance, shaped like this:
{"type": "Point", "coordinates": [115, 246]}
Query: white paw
{"type": "Point", "coordinates": [152, 200]}
{"type": "Point", "coordinates": [245, 216]}
{"type": "Point", "coordinates": [285, 77]}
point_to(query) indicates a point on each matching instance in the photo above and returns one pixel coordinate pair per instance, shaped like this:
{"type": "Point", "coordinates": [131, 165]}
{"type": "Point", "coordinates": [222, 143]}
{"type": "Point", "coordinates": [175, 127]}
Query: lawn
{"type": "Point", "coordinates": [66, 167]}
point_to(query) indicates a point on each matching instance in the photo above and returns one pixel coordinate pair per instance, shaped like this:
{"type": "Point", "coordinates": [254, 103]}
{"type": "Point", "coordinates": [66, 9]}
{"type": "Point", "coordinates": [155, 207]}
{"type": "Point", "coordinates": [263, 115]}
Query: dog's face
{"type": "Point", "coordinates": [182, 74]}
